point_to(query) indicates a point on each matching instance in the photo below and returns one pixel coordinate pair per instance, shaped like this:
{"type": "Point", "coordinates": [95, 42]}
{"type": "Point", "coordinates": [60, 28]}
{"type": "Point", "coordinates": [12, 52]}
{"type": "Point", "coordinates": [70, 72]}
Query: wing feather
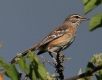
{"type": "Point", "coordinates": [58, 32]}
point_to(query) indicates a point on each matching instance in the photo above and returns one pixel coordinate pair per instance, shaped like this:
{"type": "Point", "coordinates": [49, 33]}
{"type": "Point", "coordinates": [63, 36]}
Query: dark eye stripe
{"type": "Point", "coordinates": [76, 16]}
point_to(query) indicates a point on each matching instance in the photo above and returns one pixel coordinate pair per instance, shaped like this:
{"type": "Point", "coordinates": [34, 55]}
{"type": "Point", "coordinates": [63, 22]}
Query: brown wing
{"type": "Point", "coordinates": [58, 32]}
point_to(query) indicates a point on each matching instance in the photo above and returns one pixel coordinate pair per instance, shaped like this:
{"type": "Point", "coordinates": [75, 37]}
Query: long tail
{"type": "Point", "coordinates": [14, 60]}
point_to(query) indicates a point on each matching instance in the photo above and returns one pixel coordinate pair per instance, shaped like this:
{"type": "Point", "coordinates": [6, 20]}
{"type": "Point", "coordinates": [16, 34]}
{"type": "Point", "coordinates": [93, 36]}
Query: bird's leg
{"type": "Point", "coordinates": [61, 56]}
{"type": "Point", "coordinates": [52, 57]}
{"type": "Point", "coordinates": [52, 51]}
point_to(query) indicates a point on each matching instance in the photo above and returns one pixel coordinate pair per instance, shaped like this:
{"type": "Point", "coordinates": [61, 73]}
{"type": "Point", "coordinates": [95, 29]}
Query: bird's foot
{"type": "Point", "coordinates": [62, 58]}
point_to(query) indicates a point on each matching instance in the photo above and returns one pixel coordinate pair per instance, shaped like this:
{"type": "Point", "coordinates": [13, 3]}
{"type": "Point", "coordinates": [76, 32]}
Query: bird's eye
{"type": "Point", "coordinates": [76, 16]}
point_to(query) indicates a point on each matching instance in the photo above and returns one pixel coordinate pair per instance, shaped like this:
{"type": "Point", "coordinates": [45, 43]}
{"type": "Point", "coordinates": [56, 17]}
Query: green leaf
{"type": "Point", "coordinates": [100, 71]}
{"type": "Point", "coordinates": [31, 56]}
{"type": "Point", "coordinates": [42, 71]}
{"type": "Point", "coordinates": [93, 60]}
{"type": "Point", "coordinates": [7, 70]}
{"type": "Point", "coordinates": [100, 74]}
{"type": "Point", "coordinates": [2, 62]}
{"type": "Point", "coordinates": [90, 5]}
{"type": "Point", "coordinates": [5, 66]}
{"type": "Point", "coordinates": [14, 73]}
{"type": "Point", "coordinates": [98, 77]}
{"type": "Point", "coordinates": [85, 1]}
{"type": "Point", "coordinates": [90, 67]}
{"type": "Point", "coordinates": [95, 22]}
{"type": "Point", "coordinates": [80, 72]}
{"type": "Point", "coordinates": [32, 74]}
{"type": "Point", "coordinates": [39, 68]}
{"type": "Point", "coordinates": [23, 65]}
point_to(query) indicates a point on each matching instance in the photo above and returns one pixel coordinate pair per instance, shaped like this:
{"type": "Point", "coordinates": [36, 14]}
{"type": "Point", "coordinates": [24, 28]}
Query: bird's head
{"type": "Point", "coordinates": [75, 18]}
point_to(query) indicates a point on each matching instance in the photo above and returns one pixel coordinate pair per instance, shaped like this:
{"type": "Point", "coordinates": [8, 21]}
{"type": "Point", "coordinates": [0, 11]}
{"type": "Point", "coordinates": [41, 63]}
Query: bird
{"type": "Point", "coordinates": [58, 39]}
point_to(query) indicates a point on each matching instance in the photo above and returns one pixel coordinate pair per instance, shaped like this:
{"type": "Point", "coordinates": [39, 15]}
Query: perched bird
{"type": "Point", "coordinates": [58, 39]}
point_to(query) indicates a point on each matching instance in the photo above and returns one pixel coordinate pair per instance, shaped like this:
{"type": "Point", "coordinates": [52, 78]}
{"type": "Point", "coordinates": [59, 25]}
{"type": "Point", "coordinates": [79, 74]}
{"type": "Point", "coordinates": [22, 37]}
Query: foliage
{"type": "Point", "coordinates": [94, 62]}
{"type": "Point", "coordinates": [94, 68]}
{"type": "Point", "coordinates": [35, 70]}
{"type": "Point", "coordinates": [96, 20]}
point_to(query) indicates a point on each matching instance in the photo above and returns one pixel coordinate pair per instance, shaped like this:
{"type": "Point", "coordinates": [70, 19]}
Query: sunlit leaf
{"type": "Point", "coordinates": [5, 66]}
{"type": "Point", "coordinates": [23, 65]}
{"type": "Point", "coordinates": [14, 73]}
{"type": "Point", "coordinates": [85, 1]}
{"type": "Point", "coordinates": [80, 72]}
{"type": "Point", "coordinates": [90, 5]}
{"type": "Point", "coordinates": [93, 60]}
{"type": "Point", "coordinates": [39, 68]}
{"type": "Point", "coordinates": [2, 62]}
{"type": "Point", "coordinates": [32, 74]}
{"type": "Point", "coordinates": [95, 22]}
{"type": "Point", "coordinates": [31, 56]}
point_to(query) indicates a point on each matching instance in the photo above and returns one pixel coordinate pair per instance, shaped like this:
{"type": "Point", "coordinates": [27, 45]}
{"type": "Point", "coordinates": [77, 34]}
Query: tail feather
{"type": "Point", "coordinates": [25, 53]}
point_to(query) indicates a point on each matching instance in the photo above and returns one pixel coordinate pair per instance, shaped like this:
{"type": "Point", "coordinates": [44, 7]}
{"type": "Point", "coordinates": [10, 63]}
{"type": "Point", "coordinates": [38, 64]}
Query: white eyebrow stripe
{"type": "Point", "coordinates": [75, 15]}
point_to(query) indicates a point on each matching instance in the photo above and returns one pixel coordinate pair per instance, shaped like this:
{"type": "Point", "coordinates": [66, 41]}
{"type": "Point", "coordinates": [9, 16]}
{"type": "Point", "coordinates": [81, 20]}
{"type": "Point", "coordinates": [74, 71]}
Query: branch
{"type": "Point", "coordinates": [59, 68]}
{"type": "Point", "coordinates": [26, 77]}
{"type": "Point", "coordinates": [45, 60]}
{"type": "Point", "coordinates": [88, 73]}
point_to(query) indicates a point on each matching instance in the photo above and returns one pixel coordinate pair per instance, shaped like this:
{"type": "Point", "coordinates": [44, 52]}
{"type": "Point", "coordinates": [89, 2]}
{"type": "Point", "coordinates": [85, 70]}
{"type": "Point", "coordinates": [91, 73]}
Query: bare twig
{"type": "Point", "coordinates": [45, 60]}
{"type": "Point", "coordinates": [88, 73]}
{"type": "Point", "coordinates": [2, 69]}
{"type": "Point", "coordinates": [1, 44]}
{"type": "Point", "coordinates": [26, 77]}
{"type": "Point", "coordinates": [20, 74]}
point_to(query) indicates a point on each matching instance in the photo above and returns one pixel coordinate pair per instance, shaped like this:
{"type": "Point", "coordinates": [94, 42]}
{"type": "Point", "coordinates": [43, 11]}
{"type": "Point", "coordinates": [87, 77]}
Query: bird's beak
{"type": "Point", "coordinates": [84, 19]}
